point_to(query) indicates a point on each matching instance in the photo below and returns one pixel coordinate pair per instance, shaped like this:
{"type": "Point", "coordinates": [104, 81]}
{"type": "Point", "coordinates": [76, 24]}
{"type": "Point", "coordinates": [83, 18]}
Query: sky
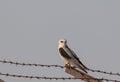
{"type": "Point", "coordinates": [30, 30]}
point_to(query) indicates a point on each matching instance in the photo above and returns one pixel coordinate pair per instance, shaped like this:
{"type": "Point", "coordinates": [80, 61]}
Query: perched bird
{"type": "Point", "coordinates": [69, 56]}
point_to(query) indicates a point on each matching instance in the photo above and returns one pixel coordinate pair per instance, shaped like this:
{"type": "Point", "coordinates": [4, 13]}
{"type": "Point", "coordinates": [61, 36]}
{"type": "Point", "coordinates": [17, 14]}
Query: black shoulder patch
{"type": "Point", "coordinates": [64, 54]}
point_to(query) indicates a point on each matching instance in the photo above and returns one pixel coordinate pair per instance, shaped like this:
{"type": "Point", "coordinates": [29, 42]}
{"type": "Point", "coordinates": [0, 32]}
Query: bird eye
{"type": "Point", "coordinates": [61, 41]}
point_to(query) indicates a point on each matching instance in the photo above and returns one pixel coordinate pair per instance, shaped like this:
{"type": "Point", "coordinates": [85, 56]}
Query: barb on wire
{"type": "Point", "coordinates": [52, 78]}
{"type": "Point", "coordinates": [42, 65]}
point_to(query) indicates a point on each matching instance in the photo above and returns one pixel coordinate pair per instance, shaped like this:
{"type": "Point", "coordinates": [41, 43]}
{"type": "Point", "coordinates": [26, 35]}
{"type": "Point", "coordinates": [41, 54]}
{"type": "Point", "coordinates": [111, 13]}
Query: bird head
{"type": "Point", "coordinates": [62, 42]}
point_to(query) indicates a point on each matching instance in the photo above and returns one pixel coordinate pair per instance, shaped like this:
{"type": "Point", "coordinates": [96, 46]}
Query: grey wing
{"type": "Point", "coordinates": [76, 57]}
{"type": "Point", "coordinates": [72, 53]}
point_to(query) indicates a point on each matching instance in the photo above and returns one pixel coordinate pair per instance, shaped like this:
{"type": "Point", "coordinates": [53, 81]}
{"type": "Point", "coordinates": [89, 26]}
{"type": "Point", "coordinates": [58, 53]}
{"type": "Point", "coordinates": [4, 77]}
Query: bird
{"type": "Point", "coordinates": [69, 56]}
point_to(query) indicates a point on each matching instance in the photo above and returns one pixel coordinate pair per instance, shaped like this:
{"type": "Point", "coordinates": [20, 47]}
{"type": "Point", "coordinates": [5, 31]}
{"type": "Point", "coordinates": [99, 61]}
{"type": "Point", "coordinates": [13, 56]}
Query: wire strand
{"type": "Point", "coordinates": [42, 65]}
{"type": "Point", "coordinates": [53, 78]}
{"type": "Point", "coordinates": [104, 72]}
{"type": "Point", "coordinates": [29, 64]}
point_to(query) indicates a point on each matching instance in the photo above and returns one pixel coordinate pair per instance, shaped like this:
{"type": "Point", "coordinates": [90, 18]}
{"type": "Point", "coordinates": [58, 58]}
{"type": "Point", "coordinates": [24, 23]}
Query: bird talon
{"type": "Point", "coordinates": [68, 65]}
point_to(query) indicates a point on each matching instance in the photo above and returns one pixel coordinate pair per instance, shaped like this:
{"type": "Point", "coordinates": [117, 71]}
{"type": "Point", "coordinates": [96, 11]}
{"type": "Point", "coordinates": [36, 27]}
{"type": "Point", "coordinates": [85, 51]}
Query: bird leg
{"type": "Point", "coordinates": [67, 64]}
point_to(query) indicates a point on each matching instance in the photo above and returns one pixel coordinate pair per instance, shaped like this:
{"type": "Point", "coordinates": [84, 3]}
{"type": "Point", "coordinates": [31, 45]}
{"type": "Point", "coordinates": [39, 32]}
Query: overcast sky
{"type": "Point", "coordinates": [30, 30]}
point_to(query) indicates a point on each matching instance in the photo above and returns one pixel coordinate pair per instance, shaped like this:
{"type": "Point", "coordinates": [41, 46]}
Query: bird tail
{"type": "Point", "coordinates": [82, 65]}
{"type": "Point", "coordinates": [83, 69]}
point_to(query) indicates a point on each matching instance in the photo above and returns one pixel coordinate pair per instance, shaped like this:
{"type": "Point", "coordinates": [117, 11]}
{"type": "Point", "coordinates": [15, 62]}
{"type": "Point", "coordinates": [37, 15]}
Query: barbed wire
{"type": "Point", "coordinates": [54, 78]}
{"type": "Point", "coordinates": [104, 72]}
{"type": "Point", "coordinates": [42, 65]}
{"type": "Point", "coordinates": [38, 77]}
{"type": "Point", "coordinates": [29, 64]}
